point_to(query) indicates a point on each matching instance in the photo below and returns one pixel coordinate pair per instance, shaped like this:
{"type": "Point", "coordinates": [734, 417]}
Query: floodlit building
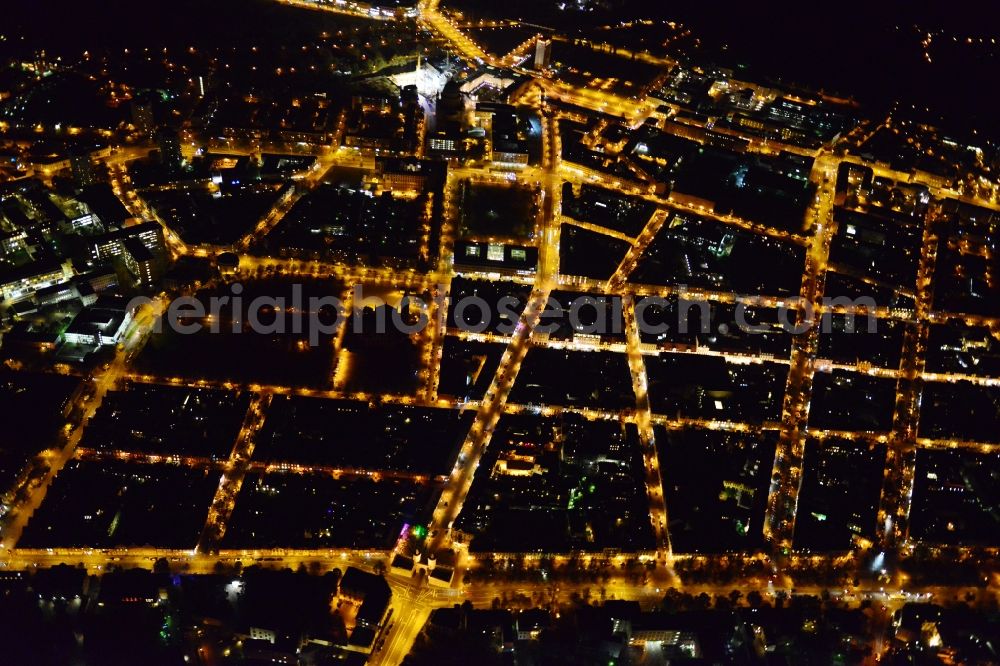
{"type": "Point", "coordinates": [496, 257]}
{"type": "Point", "coordinates": [428, 79]}
{"type": "Point", "coordinates": [111, 245]}
{"type": "Point", "coordinates": [26, 280]}
{"type": "Point", "coordinates": [543, 53]}
{"type": "Point", "coordinates": [373, 595]}
{"type": "Point", "coordinates": [102, 324]}
{"type": "Point", "coordinates": [140, 261]}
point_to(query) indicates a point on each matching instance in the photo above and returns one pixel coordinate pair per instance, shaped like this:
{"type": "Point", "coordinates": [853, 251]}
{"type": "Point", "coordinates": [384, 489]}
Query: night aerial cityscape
{"type": "Point", "coordinates": [457, 332]}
